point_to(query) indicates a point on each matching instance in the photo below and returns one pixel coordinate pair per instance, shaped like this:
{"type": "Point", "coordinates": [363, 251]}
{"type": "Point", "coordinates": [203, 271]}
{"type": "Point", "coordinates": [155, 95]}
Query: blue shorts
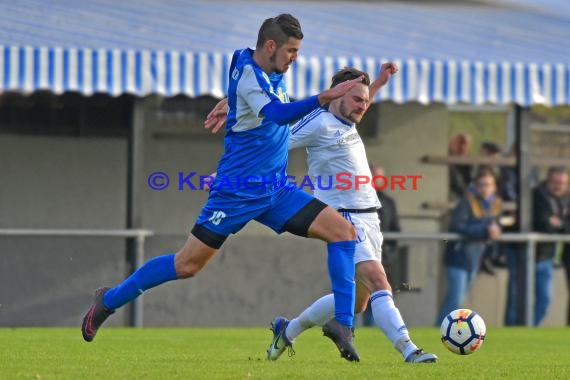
{"type": "Point", "coordinates": [226, 213]}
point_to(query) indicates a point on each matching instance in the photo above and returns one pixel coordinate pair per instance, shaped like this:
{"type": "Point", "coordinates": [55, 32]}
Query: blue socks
{"type": "Point", "coordinates": [161, 269]}
{"type": "Point", "coordinates": [154, 272]}
{"type": "Point", "coordinates": [341, 272]}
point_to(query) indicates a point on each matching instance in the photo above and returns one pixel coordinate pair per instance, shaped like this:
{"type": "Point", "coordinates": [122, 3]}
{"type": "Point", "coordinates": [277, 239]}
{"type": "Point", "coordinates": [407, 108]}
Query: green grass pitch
{"type": "Point", "coordinates": [239, 353]}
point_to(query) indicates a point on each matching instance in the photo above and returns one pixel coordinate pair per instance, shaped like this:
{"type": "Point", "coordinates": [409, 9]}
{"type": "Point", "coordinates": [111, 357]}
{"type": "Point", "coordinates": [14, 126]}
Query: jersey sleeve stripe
{"type": "Point", "coordinates": [304, 121]}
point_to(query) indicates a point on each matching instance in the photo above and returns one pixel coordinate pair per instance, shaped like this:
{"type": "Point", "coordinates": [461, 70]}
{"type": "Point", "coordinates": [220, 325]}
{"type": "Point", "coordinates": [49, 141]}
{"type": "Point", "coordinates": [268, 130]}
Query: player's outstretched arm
{"type": "Point", "coordinates": [386, 71]}
{"type": "Point", "coordinates": [285, 113]}
{"type": "Point", "coordinates": [282, 113]}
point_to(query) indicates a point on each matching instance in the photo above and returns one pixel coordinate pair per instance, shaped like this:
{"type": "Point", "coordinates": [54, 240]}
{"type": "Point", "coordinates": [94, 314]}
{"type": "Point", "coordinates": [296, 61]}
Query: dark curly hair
{"type": "Point", "coordinates": [279, 29]}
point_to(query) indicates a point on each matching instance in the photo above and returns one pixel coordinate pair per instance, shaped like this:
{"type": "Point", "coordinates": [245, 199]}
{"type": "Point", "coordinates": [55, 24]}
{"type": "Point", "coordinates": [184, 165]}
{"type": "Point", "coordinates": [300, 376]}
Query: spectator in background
{"type": "Point", "coordinates": [566, 264]}
{"type": "Point", "coordinates": [513, 253]}
{"type": "Point", "coordinates": [459, 174]}
{"type": "Point", "coordinates": [389, 222]}
{"type": "Point", "coordinates": [389, 219]}
{"type": "Point", "coordinates": [506, 175]}
{"type": "Point", "coordinates": [507, 182]}
{"type": "Point", "coordinates": [550, 215]}
{"type": "Point", "coordinates": [476, 218]}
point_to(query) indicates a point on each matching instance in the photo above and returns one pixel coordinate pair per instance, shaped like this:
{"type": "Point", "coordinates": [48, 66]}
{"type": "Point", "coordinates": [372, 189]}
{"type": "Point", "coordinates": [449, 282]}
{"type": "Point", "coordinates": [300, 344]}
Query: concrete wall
{"type": "Point", "coordinates": [489, 296]}
{"type": "Point", "coordinates": [57, 182]}
{"type": "Point", "coordinates": [61, 182]}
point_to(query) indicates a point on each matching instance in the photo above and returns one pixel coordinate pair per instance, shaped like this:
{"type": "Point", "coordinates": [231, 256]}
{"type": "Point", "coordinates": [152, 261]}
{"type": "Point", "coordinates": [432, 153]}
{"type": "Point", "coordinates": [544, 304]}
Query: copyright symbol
{"type": "Point", "coordinates": [158, 181]}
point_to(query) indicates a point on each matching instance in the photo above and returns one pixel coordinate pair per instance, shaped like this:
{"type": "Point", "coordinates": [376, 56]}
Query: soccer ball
{"type": "Point", "coordinates": [463, 331]}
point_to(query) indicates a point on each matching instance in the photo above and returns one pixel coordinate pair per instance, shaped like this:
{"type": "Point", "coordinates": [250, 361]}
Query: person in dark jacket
{"type": "Point", "coordinates": [550, 215]}
{"type": "Point", "coordinates": [389, 222]}
{"type": "Point", "coordinates": [507, 188]}
{"type": "Point", "coordinates": [566, 265]}
{"type": "Point", "coordinates": [476, 218]}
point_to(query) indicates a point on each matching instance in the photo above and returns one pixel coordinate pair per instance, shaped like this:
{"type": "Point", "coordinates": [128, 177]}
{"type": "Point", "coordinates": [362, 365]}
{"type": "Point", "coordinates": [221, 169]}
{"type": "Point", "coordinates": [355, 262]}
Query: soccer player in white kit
{"type": "Point", "coordinates": [334, 146]}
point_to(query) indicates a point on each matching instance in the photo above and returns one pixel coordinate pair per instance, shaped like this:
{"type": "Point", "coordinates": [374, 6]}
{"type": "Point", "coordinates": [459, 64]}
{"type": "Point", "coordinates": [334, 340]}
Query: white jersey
{"type": "Point", "coordinates": [336, 155]}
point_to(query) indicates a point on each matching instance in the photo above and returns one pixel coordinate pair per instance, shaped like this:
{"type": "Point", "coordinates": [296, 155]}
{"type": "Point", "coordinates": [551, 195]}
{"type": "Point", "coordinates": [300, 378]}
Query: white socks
{"type": "Point", "coordinates": [387, 317]}
{"type": "Point", "coordinates": [319, 313]}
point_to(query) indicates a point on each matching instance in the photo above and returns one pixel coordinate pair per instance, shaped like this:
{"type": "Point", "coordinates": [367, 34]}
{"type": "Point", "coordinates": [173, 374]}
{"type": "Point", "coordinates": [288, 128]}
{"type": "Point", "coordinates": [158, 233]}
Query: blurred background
{"type": "Point", "coordinates": [95, 96]}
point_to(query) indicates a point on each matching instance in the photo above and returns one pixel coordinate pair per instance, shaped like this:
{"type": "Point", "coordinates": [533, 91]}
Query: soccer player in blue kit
{"type": "Point", "coordinates": [254, 160]}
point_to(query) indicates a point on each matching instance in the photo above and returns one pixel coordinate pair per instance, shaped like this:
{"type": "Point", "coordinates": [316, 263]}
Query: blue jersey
{"type": "Point", "coordinates": [256, 149]}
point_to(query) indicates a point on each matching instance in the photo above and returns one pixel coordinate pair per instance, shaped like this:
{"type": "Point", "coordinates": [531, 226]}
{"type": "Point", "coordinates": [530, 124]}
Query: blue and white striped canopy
{"type": "Point", "coordinates": [473, 54]}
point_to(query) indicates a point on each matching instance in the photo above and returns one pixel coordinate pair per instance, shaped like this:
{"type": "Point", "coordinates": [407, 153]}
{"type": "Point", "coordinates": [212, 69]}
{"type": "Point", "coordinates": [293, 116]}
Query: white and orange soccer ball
{"type": "Point", "coordinates": [463, 331]}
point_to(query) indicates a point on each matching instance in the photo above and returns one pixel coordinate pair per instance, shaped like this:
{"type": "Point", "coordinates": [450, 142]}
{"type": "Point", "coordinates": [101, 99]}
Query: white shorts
{"type": "Point", "coordinates": [369, 239]}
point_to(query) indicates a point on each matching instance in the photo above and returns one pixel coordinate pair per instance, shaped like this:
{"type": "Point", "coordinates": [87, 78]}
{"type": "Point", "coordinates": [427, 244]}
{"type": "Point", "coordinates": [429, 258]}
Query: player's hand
{"type": "Point", "coordinates": [207, 184]}
{"type": "Point", "coordinates": [216, 119]}
{"type": "Point", "coordinates": [386, 71]}
{"type": "Point", "coordinates": [339, 90]}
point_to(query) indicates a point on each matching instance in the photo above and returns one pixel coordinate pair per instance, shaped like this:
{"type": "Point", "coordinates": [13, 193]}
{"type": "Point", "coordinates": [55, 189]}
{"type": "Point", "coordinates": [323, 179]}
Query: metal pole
{"type": "Point", "coordinates": [530, 269]}
{"type": "Point", "coordinates": [137, 310]}
{"type": "Point", "coordinates": [135, 169]}
{"type": "Point", "coordinates": [525, 205]}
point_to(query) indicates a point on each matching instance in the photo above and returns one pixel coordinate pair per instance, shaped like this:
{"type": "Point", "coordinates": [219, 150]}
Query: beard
{"type": "Point", "coordinates": [348, 115]}
{"type": "Point", "coordinates": [273, 60]}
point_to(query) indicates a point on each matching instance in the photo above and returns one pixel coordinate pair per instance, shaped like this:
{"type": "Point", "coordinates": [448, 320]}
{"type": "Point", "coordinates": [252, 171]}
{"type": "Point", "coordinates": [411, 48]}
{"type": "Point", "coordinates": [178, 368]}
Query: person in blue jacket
{"type": "Point", "coordinates": [476, 218]}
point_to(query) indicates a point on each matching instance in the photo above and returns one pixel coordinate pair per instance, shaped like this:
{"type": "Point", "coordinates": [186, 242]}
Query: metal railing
{"type": "Point", "coordinates": [139, 236]}
{"type": "Point", "coordinates": [530, 239]}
